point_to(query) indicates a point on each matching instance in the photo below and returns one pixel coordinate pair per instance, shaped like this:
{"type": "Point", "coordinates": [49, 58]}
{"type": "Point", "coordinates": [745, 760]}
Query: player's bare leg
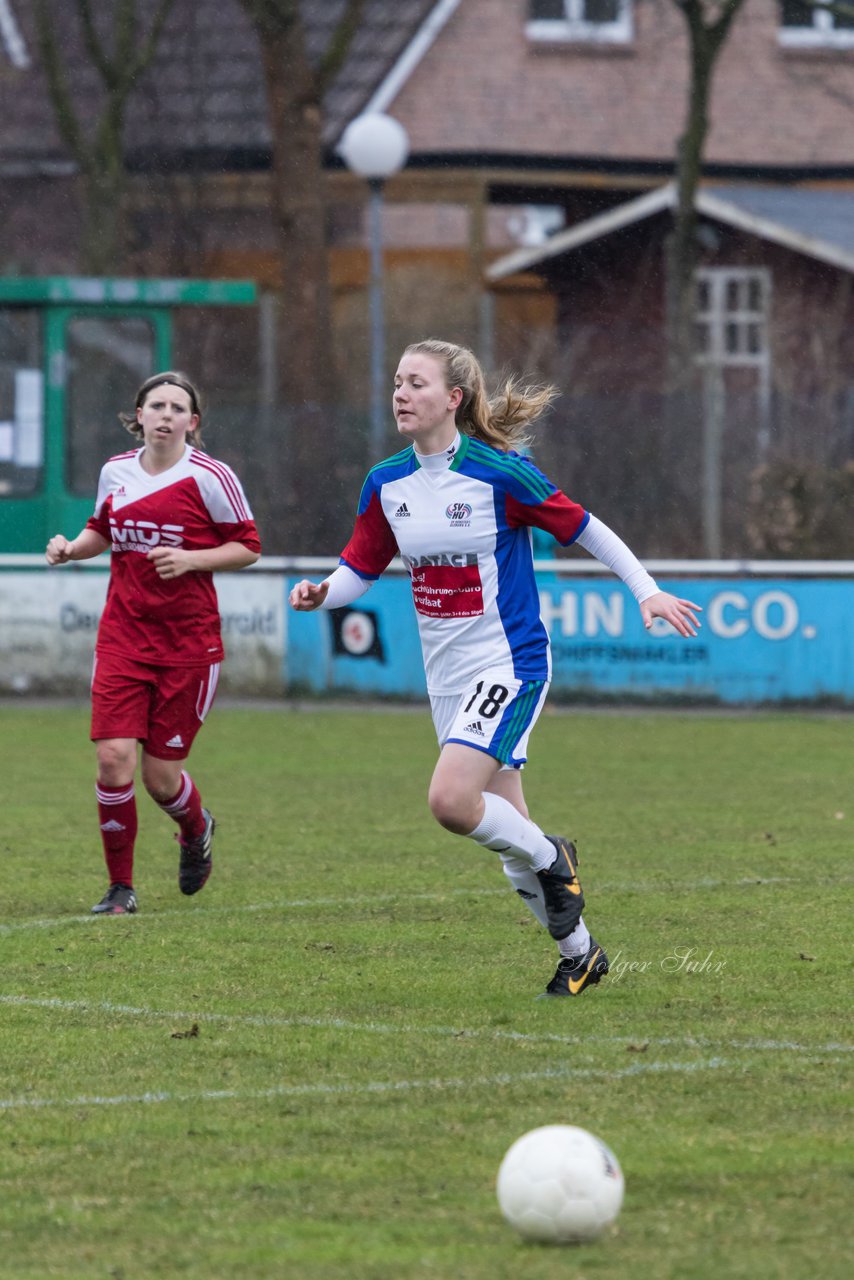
{"type": "Point", "coordinates": [471, 794]}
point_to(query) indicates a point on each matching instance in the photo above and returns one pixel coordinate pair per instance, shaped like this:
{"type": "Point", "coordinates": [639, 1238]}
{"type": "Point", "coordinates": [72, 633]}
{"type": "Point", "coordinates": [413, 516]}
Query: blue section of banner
{"type": "Point", "coordinates": [765, 640]}
{"type": "Point", "coordinates": [316, 663]}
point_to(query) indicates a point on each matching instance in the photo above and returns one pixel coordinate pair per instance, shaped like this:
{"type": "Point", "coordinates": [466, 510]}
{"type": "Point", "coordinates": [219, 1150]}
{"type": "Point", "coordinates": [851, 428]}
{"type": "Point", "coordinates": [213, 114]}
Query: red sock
{"type": "Point", "coordinates": [186, 808]}
{"type": "Point", "coordinates": [117, 816]}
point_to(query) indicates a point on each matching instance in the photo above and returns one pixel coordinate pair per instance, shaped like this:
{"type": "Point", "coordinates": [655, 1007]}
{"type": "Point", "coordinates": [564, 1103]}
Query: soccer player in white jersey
{"type": "Point", "coordinates": [172, 517]}
{"type": "Point", "coordinates": [458, 505]}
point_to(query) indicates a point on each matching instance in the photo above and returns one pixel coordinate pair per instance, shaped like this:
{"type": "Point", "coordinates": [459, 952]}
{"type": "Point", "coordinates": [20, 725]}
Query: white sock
{"type": "Point", "coordinates": [529, 889]}
{"type": "Point", "coordinates": [504, 830]}
{"type": "Point", "coordinates": [524, 880]}
{"type": "Point", "coordinates": [577, 944]}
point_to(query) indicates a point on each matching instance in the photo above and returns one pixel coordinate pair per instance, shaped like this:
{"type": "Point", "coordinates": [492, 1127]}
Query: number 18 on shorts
{"type": "Point", "coordinates": [495, 714]}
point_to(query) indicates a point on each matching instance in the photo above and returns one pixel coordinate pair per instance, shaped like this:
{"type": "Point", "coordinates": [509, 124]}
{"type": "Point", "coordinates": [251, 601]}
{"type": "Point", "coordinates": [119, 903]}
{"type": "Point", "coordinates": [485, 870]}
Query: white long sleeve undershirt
{"type": "Point", "coordinates": [345, 586]}
{"type": "Point", "coordinates": [608, 549]}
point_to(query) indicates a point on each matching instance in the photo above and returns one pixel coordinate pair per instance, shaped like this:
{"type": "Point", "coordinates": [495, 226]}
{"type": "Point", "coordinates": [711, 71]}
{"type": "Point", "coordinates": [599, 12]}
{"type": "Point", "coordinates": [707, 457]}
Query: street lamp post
{"type": "Point", "coordinates": [375, 146]}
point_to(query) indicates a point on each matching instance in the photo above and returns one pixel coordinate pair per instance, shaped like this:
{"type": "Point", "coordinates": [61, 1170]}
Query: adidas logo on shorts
{"type": "Point", "coordinates": [475, 728]}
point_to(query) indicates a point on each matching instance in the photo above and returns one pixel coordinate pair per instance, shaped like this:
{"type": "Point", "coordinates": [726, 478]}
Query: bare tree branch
{"type": "Point", "coordinates": [709, 23]}
{"type": "Point", "coordinates": [339, 44]}
{"type": "Point", "coordinates": [66, 117]}
{"type": "Point", "coordinates": [295, 86]}
{"type": "Point", "coordinates": [99, 155]}
{"type": "Point", "coordinates": [94, 48]}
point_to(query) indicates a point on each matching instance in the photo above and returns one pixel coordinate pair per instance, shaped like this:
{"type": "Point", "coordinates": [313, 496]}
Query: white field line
{"type": "Point", "coordinates": [371, 1088]}
{"type": "Point", "coordinates": [752, 1045]}
{"type": "Point", "coordinates": [379, 899]}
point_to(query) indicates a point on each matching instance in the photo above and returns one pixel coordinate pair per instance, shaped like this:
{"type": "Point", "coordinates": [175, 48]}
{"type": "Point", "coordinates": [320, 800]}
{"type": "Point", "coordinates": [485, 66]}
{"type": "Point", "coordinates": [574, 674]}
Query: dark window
{"type": "Point", "coordinates": [601, 11]}
{"type": "Point", "coordinates": [108, 358]}
{"type": "Point", "coordinates": [547, 10]}
{"type": "Point", "coordinates": [796, 14]}
{"type": "Point", "coordinates": [597, 13]}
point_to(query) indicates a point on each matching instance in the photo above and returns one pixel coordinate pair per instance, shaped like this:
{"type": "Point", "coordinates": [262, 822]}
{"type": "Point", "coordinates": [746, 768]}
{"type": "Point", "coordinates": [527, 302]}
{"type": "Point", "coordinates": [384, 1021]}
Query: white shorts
{"type": "Point", "coordinates": [495, 715]}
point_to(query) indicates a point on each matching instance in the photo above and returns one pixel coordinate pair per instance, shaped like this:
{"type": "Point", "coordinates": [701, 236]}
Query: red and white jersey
{"type": "Point", "coordinates": [197, 504]}
{"type": "Point", "coordinates": [463, 531]}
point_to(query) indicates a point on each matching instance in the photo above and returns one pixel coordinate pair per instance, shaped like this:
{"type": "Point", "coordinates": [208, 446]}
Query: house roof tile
{"type": "Point", "coordinates": [204, 90]}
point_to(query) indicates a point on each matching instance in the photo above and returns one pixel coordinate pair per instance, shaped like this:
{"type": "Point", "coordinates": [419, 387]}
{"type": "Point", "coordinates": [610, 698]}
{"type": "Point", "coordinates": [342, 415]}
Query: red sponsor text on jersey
{"type": "Point", "coordinates": [446, 591]}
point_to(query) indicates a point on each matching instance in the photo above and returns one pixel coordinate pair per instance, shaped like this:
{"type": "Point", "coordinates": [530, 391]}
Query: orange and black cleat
{"type": "Point", "coordinates": [576, 973]}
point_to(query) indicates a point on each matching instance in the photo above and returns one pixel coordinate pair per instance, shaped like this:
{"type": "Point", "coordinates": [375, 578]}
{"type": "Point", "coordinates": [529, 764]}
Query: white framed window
{"type": "Point", "coordinates": [803, 25]}
{"type": "Point", "coordinates": [565, 20]}
{"type": "Point", "coordinates": [731, 315]}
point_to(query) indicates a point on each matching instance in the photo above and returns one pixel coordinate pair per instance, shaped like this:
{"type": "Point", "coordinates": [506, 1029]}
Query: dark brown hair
{"type": "Point", "coordinates": [156, 380]}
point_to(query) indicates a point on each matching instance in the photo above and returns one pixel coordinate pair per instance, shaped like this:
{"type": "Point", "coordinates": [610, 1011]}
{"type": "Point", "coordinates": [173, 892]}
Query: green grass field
{"type": "Point", "coordinates": [313, 1068]}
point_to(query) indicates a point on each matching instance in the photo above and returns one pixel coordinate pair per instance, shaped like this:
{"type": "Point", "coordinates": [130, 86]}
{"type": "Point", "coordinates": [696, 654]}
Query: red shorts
{"type": "Point", "coordinates": [163, 707]}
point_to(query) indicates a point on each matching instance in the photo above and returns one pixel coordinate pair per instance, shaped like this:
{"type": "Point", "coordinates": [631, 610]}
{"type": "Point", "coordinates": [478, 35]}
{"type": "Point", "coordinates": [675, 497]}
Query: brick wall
{"type": "Point", "coordinates": [483, 85]}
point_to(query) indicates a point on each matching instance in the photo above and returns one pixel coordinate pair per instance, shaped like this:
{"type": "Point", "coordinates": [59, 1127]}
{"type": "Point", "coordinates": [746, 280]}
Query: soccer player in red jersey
{"type": "Point", "coordinates": [172, 516]}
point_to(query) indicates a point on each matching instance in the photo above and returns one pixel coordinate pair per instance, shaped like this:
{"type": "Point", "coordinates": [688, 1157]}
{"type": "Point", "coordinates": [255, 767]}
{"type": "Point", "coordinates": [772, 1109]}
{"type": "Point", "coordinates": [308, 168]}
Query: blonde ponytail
{"type": "Point", "coordinates": [500, 420]}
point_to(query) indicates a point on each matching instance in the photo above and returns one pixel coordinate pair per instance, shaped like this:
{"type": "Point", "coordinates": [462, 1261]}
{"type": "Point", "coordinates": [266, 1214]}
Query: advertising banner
{"type": "Point", "coordinates": [762, 640]}
{"type": "Point", "coordinates": [49, 621]}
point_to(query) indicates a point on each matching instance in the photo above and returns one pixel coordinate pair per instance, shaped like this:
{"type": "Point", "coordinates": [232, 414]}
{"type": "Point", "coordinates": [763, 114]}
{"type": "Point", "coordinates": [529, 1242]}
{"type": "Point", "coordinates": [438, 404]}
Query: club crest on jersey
{"type": "Point", "coordinates": [142, 535]}
{"type": "Point", "coordinates": [459, 514]}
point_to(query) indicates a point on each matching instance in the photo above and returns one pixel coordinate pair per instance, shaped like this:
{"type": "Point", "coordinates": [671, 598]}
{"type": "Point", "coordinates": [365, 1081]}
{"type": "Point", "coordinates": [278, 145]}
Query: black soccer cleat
{"type": "Point", "coordinates": [119, 900]}
{"type": "Point", "coordinates": [196, 862]}
{"type": "Point", "coordinates": [576, 973]}
{"type": "Point", "coordinates": [562, 894]}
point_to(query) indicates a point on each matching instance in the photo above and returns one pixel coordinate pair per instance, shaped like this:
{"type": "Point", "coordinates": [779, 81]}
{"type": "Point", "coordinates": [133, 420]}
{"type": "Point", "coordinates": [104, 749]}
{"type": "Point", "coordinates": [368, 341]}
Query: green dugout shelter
{"type": "Point", "coordinates": [73, 351]}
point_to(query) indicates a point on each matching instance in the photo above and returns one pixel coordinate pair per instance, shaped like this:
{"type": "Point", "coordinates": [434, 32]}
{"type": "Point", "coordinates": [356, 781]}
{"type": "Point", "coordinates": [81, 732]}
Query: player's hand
{"type": "Point", "coordinates": [681, 614]}
{"type": "Point", "coordinates": [170, 562]}
{"type": "Point", "coordinates": [58, 550]}
{"type": "Point", "coordinates": [306, 595]}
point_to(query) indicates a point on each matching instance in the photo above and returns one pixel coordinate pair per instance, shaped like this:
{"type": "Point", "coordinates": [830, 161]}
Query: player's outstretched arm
{"type": "Point", "coordinates": [86, 545]}
{"type": "Point", "coordinates": [681, 614]}
{"type": "Point", "coordinates": [306, 595]}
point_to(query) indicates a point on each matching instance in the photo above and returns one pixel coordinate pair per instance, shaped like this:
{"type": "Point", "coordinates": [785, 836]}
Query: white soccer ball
{"type": "Point", "coordinates": [559, 1185]}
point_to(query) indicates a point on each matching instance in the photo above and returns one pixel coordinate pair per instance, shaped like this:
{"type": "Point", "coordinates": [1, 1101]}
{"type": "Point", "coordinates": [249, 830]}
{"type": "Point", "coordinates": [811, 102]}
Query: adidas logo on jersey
{"type": "Point", "coordinates": [177, 741]}
{"type": "Point", "coordinates": [402, 512]}
{"type": "Point", "coordinates": [475, 728]}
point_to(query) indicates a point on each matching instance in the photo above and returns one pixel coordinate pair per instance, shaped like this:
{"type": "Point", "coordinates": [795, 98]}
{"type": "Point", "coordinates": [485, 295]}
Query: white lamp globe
{"type": "Point", "coordinates": [374, 145]}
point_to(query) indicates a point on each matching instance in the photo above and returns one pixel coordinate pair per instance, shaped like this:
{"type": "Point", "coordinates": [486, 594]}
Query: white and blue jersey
{"type": "Point", "coordinates": [463, 531]}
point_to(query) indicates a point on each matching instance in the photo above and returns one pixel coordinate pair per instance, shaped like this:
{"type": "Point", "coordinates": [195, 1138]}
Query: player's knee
{"type": "Point", "coordinates": [116, 761]}
{"type": "Point", "coordinates": [161, 778]}
{"type": "Point", "coordinates": [453, 807]}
